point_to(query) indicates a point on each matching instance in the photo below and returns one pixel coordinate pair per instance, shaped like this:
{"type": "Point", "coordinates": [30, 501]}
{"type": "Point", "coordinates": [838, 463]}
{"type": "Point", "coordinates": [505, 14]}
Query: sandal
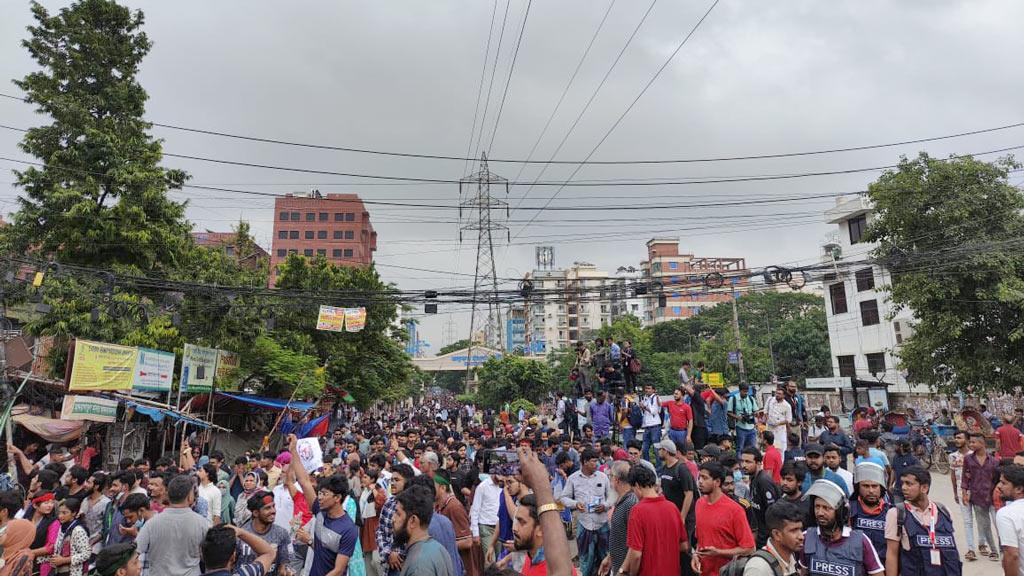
{"type": "Point", "coordinates": [983, 549]}
{"type": "Point", "coordinates": [994, 556]}
{"type": "Point", "coordinates": [970, 556]}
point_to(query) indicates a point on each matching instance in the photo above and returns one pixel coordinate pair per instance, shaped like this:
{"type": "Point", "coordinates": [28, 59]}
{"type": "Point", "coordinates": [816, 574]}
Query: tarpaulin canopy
{"type": "Point", "coordinates": [49, 429]}
{"type": "Point", "coordinates": [272, 403]}
{"type": "Point", "coordinates": [157, 415]}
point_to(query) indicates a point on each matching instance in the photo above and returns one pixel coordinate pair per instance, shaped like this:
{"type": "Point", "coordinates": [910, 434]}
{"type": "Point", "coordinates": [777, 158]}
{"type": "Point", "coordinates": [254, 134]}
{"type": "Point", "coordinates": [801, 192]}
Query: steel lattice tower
{"type": "Point", "coordinates": [477, 211]}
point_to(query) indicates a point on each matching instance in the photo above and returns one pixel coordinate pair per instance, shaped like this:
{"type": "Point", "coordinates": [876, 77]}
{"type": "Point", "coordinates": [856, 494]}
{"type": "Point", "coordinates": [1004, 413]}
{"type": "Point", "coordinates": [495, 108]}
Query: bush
{"type": "Point", "coordinates": [514, 407]}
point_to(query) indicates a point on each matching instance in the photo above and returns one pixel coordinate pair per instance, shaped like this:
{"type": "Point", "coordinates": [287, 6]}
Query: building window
{"type": "Point", "coordinates": [857, 227]}
{"type": "Point", "coordinates": [310, 216]}
{"type": "Point", "coordinates": [309, 234]}
{"type": "Point", "coordinates": [876, 363]}
{"type": "Point", "coordinates": [307, 252]}
{"type": "Point", "coordinates": [339, 217]}
{"type": "Point", "coordinates": [229, 250]}
{"type": "Point", "coordinates": [283, 234]}
{"type": "Point", "coordinates": [283, 216]}
{"type": "Point", "coordinates": [293, 251]}
{"type": "Point", "coordinates": [865, 279]}
{"type": "Point", "coordinates": [321, 234]}
{"type": "Point", "coordinates": [295, 217]}
{"type": "Point", "coordinates": [348, 253]}
{"type": "Point", "coordinates": [847, 366]}
{"type": "Point", "coordinates": [337, 234]}
{"type": "Point", "coordinates": [281, 252]}
{"type": "Point", "coordinates": [677, 310]}
{"type": "Point", "coordinates": [321, 252]}
{"type": "Point", "coordinates": [837, 293]}
{"type": "Point", "coordinates": [350, 217]}
{"type": "Point", "coordinates": [869, 312]}
{"type": "Point", "coordinates": [323, 216]}
{"type": "Point", "coordinates": [673, 265]}
{"type": "Point", "coordinates": [293, 234]}
{"type": "Point", "coordinates": [350, 235]}
{"type": "Point", "coordinates": [336, 253]}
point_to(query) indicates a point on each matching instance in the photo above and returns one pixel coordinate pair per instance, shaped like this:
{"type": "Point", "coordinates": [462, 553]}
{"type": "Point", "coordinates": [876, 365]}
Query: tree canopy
{"type": "Point", "coordinates": [950, 231]}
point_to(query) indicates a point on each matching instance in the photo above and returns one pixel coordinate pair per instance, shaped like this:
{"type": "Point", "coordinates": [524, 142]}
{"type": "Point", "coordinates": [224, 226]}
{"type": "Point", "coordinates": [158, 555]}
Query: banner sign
{"type": "Point", "coordinates": [713, 379]}
{"type": "Point", "coordinates": [154, 371]}
{"type": "Point", "coordinates": [310, 454]}
{"type": "Point", "coordinates": [331, 318]}
{"type": "Point", "coordinates": [198, 368]}
{"type": "Point", "coordinates": [99, 366]}
{"type": "Point", "coordinates": [88, 408]}
{"type": "Point", "coordinates": [227, 364]}
{"type": "Point", "coordinates": [355, 319]}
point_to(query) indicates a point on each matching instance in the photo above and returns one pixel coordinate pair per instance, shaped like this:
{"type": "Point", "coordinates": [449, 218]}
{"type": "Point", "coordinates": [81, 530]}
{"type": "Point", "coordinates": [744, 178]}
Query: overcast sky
{"type": "Point", "coordinates": [756, 78]}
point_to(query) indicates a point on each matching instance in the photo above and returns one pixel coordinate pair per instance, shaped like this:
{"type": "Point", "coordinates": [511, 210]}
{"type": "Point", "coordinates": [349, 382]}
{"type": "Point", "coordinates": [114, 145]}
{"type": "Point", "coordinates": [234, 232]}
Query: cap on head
{"type": "Point", "coordinates": [814, 449]}
{"type": "Point", "coordinates": [667, 445]}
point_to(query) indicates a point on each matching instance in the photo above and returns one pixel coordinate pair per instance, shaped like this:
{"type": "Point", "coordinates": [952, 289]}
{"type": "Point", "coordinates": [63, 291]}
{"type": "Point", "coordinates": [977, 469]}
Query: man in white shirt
{"type": "Point", "coordinates": [483, 516]}
{"type": "Point", "coordinates": [207, 475]}
{"type": "Point", "coordinates": [1010, 519]}
{"type": "Point", "coordinates": [778, 417]}
{"type": "Point", "coordinates": [651, 406]}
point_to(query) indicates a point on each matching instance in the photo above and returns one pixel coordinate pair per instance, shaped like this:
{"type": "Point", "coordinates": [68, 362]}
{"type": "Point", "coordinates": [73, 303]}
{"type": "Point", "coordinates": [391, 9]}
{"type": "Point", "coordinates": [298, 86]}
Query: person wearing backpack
{"type": "Point", "coordinates": [778, 557]}
{"type": "Point", "coordinates": [868, 505]}
{"type": "Point", "coordinates": [919, 533]}
{"type": "Point", "coordinates": [831, 547]}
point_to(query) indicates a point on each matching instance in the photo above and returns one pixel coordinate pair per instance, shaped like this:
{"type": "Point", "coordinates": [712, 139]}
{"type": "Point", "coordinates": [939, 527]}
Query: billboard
{"type": "Point", "coordinates": [198, 368]}
{"type": "Point", "coordinates": [98, 366]}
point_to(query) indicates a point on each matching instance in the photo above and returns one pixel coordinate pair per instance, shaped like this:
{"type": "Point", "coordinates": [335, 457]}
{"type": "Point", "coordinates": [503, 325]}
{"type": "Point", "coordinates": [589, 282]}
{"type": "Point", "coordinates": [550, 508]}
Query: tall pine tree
{"type": "Point", "coordinates": [100, 197]}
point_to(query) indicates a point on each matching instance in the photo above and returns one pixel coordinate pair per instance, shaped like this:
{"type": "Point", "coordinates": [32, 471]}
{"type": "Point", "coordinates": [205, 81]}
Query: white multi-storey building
{"type": "Point", "coordinates": [865, 334]}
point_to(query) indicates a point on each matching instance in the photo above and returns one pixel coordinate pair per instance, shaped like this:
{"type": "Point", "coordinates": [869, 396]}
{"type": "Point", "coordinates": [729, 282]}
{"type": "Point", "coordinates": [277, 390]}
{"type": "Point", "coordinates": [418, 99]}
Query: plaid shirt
{"type": "Point", "coordinates": [386, 533]}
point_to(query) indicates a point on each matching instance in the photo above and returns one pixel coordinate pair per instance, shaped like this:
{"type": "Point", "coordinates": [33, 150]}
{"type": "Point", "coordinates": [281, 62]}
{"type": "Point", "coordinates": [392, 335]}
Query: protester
{"type": "Point", "coordinates": [919, 534]}
{"type": "Point", "coordinates": [832, 547]}
{"type": "Point", "coordinates": [169, 543]}
{"type": "Point", "coordinates": [588, 491]}
{"type": "Point", "coordinates": [763, 492]}
{"type": "Point", "coordinates": [784, 523]}
{"type": "Point", "coordinates": [1010, 518]}
{"type": "Point", "coordinates": [656, 536]}
{"type": "Point", "coordinates": [721, 528]}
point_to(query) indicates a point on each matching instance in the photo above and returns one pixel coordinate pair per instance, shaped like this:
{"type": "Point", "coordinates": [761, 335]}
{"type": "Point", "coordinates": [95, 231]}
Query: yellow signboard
{"type": "Point", "coordinates": [99, 366]}
{"type": "Point", "coordinates": [227, 365]}
{"type": "Point", "coordinates": [713, 379]}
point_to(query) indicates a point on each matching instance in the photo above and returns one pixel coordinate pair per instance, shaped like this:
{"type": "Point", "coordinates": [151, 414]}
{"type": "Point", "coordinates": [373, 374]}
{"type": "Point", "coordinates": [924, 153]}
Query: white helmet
{"type": "Point", "coordinates": [870, 472]}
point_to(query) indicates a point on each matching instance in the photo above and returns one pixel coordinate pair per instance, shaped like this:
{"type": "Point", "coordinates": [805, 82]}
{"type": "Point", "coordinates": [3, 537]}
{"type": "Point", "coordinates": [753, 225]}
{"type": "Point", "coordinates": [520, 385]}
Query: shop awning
{"type": "Point", "coordinates": [272, 403]}
{"type": "Point", "coordinates": [49, 429]}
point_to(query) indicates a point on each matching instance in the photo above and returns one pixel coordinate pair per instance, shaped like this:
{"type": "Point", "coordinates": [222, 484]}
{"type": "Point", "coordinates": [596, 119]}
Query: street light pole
{"type": "Point", "coordinates": [736, 332]}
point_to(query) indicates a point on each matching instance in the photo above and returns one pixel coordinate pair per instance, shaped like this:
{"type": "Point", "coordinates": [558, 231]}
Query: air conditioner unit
{"type": "Point", "coordinates": [902, 329]}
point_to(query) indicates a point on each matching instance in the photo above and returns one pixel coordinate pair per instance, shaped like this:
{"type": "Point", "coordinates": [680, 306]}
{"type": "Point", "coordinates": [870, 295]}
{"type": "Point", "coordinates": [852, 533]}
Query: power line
{"type": "Point", "coordinates": [494, 71]}
{"type": "Point", "coordinates": [630, 107]}
{"type": "Point", "coordinates": [508, 81]}
{"type": "Point", "coordinates": [468, 158]}
{"type": "Point", "coordinates": [480, 89]}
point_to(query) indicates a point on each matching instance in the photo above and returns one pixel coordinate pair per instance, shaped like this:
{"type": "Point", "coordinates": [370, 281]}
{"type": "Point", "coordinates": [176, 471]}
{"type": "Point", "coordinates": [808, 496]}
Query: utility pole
{"type": "Point", "coordinates": [736, 332]}
{"type": "Point", "coordinates": [771, 348]}
{"type": "Point", "coordinates": [479, 207]}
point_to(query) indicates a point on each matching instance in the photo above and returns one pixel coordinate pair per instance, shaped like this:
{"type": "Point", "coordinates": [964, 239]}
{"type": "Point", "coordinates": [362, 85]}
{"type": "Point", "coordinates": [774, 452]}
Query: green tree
{"type": "Point", "coordinates": [457, 345]}
{"type": "Point", "coordinates": [950, 233]}
{"type": "Point", "coordinates": [510, 378]}
{"type": "Point", "coordinates": [100, 196]}
{"type": "Point", "coordinates": [370, 364]}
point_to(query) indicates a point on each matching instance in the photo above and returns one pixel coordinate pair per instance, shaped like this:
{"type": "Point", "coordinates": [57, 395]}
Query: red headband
{"type": "Point", "coordinates": [44, 498]}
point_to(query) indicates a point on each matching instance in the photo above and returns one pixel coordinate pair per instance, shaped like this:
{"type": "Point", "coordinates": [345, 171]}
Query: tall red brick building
{"type": "Point", "coordinates": [335, 226]}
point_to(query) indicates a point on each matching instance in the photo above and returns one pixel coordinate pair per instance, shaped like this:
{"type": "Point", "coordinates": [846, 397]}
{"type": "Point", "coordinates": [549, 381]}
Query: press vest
{"type": "Point", "coordinates": [843, 559]}
{"type": "Point", "coordinates": [872, 525]}
{"type": "Point", "coordinates": [917, 560]}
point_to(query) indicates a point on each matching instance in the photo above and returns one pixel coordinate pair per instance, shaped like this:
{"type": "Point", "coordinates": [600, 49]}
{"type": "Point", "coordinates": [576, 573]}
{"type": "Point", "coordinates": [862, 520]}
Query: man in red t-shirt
{"type": "Point", "coordinates": [680, 418]}
{"type": "Point", "coordinates": [722, 528]}
{"type": "Point", "coordinates": [1008, 438]}
{"type": "Point", "coordinates": [772, 457]}
{"type": "Point", "coordinates": [655, 529]}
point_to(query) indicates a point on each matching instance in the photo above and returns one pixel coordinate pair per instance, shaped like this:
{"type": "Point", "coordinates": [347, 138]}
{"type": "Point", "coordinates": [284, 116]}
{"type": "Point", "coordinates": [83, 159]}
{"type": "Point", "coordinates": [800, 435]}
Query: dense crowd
{"type": "Point", "coordinates": [609, 481]}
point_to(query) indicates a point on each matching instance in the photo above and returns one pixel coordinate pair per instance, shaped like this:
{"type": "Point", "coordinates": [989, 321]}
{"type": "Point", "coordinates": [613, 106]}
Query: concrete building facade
{"type": "Point", "coordinates": [334, 226]}
{"type": "Point", "coordinates": [679, 277]}
{"type": "Point", "coordinates": [865, 334]}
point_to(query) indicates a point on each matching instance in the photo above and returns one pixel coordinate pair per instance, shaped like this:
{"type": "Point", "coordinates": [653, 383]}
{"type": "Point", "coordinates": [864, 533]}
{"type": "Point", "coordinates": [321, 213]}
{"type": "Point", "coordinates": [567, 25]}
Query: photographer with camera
{"type": "Point", "coordinates": [742, 409]}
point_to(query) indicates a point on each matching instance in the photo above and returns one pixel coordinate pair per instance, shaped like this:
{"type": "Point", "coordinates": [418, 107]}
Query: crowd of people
{"type": "Point", "coordinates": [707, 482]}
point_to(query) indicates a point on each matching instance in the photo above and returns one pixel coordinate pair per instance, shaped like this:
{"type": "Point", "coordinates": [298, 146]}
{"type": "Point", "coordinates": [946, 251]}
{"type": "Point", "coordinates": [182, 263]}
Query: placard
{"type": "Point", "coordinates": [88, 408]}
{"type": "Point", "coordinates": [99, 366]}
{"type": "Point", "coordinates": [310, 454]}
{"type": "Point", "coordinates": [713, 379]}
{"type": "Point", "coordinates": [331, 319]}
{"type": "Point", "coordinates": [227, 364]}
{"type": "Point", "coordinates": [198, 368]}
{"type": "Point", "coordinates": [355, 319]}
{"type": "Point", "coordinates": [154, 371]}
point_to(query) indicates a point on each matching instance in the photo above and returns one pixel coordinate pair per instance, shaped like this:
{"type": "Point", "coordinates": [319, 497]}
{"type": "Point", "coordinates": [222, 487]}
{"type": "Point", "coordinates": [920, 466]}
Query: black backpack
{"type": "Point", "coordinates": [736, 566]}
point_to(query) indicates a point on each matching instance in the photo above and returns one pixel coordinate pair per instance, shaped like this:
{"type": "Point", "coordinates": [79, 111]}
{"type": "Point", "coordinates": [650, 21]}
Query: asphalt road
{"type": "Point", "coordinates": [942, 491]}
